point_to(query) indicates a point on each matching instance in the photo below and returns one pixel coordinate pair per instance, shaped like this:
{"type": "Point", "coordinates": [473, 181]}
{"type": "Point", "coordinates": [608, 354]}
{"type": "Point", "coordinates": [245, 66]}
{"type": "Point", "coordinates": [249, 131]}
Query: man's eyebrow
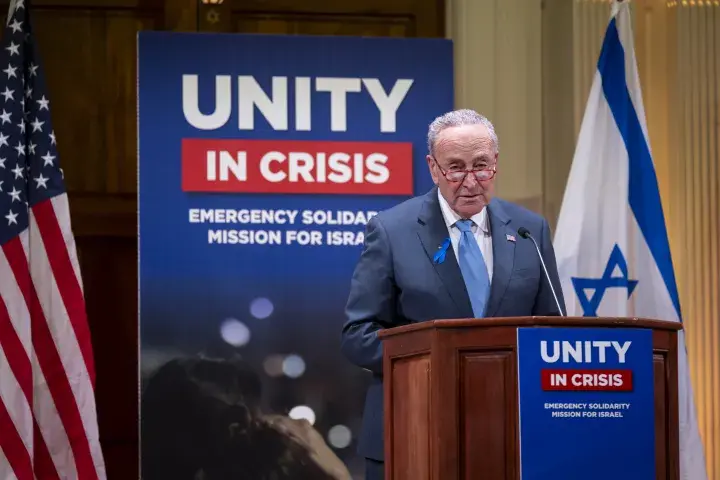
{"type": "Point", "coordinates": [454, 160]}
{"type": "Point", "coordinates": [480, 158]}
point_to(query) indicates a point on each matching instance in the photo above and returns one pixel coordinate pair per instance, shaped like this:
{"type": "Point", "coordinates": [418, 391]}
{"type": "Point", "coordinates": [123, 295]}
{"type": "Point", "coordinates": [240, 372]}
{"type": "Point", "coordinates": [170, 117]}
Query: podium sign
{"type": "Point", "coordinates": [586, 403]}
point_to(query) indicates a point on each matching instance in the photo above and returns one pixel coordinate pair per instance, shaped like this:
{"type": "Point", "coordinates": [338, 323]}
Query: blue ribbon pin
{"type": "Point", "coordinates": [442, 249]}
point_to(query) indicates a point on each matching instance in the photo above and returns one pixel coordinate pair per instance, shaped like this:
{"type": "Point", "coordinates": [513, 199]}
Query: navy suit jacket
{"type": "Point", "coordinates": [396, 283]}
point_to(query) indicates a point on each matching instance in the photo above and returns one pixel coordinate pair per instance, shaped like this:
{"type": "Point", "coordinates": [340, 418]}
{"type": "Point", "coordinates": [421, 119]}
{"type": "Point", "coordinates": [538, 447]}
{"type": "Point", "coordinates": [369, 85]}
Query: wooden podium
{"type": "Point", "coordinates": [451, 396]}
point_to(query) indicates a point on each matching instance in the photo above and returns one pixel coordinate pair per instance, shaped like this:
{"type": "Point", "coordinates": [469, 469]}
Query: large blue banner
{"type": "Point", "coordinates": [586, 404]}
{"type": "Point", "coordinates": [261, 159]}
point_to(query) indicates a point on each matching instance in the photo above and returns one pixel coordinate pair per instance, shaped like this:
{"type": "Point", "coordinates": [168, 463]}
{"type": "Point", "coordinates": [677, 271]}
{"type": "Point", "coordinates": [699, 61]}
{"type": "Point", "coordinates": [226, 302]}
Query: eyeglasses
{"type": "Point", "coordinates": [485, 173]}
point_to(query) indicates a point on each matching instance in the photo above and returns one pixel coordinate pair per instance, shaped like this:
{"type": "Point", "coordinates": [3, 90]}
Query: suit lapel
{"type": "Point", "coordinates": [503, 255]}
{"type": "Point", "coordinates": [433, 232]}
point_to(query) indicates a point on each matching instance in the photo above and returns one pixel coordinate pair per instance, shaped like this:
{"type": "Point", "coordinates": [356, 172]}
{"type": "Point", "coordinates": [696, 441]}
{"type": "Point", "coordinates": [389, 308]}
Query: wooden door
{"type": "Point", "coordinates": [88, 49]}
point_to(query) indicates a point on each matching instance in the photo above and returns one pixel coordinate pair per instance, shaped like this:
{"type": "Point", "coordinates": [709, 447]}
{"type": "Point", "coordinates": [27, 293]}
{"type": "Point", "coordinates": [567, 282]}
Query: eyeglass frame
{"type": "Point", "coordinates": [492, 170]}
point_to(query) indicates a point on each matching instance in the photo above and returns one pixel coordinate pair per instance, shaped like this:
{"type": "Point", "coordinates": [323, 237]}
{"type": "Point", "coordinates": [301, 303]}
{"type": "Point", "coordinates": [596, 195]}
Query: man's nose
{"type": "Point", "coordinates": [470, 181]}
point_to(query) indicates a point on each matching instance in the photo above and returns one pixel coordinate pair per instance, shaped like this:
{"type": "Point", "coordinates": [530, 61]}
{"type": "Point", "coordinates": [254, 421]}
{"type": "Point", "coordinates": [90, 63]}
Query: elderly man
{"type": "Point", "coordinates": [453, 252]}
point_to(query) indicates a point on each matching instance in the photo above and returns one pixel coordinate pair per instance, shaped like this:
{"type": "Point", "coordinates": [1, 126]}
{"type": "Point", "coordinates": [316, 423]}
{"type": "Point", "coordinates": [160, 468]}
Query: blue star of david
{"type": "Point", "coordinates": [598, 286]}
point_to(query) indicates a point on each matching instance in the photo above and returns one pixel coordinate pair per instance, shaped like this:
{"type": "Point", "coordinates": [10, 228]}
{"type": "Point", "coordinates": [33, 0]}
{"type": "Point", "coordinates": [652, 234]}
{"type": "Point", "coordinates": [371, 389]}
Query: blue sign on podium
{"type": "Point", "coordinates": [586, 404]}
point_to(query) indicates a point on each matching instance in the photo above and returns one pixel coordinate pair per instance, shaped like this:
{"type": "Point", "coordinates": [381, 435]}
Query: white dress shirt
{"type": "Point", "coordinates": [480, 228]}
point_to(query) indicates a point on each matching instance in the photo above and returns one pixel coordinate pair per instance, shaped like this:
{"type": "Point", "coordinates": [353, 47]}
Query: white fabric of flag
{"type": "Point", "coordinates": [611, 242]}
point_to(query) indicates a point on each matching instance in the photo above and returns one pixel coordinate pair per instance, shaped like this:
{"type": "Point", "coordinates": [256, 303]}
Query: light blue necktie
{"type": "Point", "coordinates": [473, 268]}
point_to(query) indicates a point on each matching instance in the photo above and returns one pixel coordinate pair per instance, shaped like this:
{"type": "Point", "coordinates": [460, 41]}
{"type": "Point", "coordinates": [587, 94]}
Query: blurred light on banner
{"type": "Point", "coordinates": [273, 365]}
{"type": "Point", "coordinates": [261, 308]}
{"type": "Point", "coordinates": [235, 332]}
{"type": "Point", "coordinates": [302, 412]}
{"type": "Point", "coordinates": [293, 366]}
{"type": "Point", "coordinates": [340, 436]}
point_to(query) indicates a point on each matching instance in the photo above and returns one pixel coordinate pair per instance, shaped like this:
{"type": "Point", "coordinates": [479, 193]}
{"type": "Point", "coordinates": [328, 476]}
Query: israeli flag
{"type": "Point", "coordinates": [611, 244]}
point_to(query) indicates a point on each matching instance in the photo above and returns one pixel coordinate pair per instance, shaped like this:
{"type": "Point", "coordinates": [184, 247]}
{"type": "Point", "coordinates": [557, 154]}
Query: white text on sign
{"type": "Point", "coordinates": [583, 351]}
{"type": "Point", "coordinates": [586, 380]}
{"type": "Point", "coordinates": [295, 166]}
{"type": "Point", "coordinates": [274, 106]}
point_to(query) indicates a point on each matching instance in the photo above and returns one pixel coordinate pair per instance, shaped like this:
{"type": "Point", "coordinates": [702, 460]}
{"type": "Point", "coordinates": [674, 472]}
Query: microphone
{"type": "Point", "coordinates": [525, 233]}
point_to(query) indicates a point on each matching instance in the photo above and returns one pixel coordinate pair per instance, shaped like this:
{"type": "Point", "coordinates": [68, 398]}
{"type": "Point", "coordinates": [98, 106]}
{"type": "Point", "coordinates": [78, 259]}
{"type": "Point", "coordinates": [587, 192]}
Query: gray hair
{"type": "Point", "coordinates": [457, 118]}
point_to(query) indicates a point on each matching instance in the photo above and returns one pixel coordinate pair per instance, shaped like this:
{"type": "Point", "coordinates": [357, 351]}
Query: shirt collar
{"type": "Point", "coordinates": [450, 216]}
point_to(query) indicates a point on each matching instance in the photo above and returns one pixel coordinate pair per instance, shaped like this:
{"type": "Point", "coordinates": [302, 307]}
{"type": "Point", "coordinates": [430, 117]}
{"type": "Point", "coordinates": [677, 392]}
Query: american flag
{"type": "Point", "coordinates": [48, 422]}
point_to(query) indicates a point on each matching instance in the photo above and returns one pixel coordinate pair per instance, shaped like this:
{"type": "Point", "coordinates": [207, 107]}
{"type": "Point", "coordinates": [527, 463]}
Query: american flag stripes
{"type": "Point", "coordinates": [48, 422]}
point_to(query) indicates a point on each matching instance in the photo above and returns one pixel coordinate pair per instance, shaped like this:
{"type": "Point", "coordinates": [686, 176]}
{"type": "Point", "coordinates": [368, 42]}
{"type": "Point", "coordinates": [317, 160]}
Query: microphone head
{"type": "Point", "coordinates": [524, 233]}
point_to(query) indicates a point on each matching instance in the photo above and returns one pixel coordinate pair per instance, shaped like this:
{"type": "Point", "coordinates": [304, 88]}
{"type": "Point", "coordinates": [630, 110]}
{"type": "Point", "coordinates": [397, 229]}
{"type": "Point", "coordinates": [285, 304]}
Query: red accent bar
{"type": "Point", "coordinates": [587, 380]}
{"type": "Point", "coordinates": [290, 166]}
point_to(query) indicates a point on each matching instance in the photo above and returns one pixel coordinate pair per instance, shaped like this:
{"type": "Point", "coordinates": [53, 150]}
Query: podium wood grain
{"type": "Point", "coordinates": [451, 396]}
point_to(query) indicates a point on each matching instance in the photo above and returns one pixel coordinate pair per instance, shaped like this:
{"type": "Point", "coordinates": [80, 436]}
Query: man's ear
{"type": "Point", "coordinates": [432, 166]}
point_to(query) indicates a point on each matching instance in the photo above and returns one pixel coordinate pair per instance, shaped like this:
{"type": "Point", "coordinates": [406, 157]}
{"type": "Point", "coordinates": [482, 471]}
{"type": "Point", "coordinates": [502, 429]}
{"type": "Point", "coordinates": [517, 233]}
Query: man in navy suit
{"type": "Point", "coordinates": [488, 270]}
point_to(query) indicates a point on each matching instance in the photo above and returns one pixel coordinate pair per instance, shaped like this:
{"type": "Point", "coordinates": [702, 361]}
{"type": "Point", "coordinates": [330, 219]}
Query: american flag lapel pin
{"type": "Point", "coordinates": [510, 238]}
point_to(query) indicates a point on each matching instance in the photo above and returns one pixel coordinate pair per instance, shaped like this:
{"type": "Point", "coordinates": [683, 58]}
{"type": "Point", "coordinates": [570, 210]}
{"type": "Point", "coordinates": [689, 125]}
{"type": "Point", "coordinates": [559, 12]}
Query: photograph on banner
{"type": "Point", "coordinates": [593, 388]}
{"type": "Point", "coordinates": [261, 160]}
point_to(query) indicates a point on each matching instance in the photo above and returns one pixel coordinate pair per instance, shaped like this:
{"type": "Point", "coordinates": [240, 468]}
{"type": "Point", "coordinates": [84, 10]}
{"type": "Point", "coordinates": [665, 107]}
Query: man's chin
{"type": "Point", "coordinates": [469, 206]}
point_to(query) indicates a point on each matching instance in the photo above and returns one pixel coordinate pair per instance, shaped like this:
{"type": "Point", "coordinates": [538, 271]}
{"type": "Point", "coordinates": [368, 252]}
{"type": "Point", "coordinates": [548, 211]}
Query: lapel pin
{"type": "Point", "coordinates": [442, 250]}
{"type": "Point", "coordinates": [510, 238]}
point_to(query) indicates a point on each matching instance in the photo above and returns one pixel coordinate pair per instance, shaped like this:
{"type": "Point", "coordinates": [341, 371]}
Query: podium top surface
{"type": "Point", "coordinates": [590, 322]}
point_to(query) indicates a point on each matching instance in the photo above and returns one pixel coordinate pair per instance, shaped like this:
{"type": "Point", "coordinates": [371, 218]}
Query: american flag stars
{"type": "Point", "coordinates": [29, 172]}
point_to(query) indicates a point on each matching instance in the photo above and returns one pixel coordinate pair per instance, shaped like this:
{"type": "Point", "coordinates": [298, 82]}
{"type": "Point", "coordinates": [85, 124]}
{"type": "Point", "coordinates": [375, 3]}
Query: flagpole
{"type": "Point", "coordinates": [11, 9]}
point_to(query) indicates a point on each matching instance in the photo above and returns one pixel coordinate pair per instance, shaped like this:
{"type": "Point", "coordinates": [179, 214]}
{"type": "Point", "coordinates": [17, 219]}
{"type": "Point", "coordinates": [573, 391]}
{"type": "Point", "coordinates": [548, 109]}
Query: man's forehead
{"type": "Point", "coordinates": [464, 135]}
